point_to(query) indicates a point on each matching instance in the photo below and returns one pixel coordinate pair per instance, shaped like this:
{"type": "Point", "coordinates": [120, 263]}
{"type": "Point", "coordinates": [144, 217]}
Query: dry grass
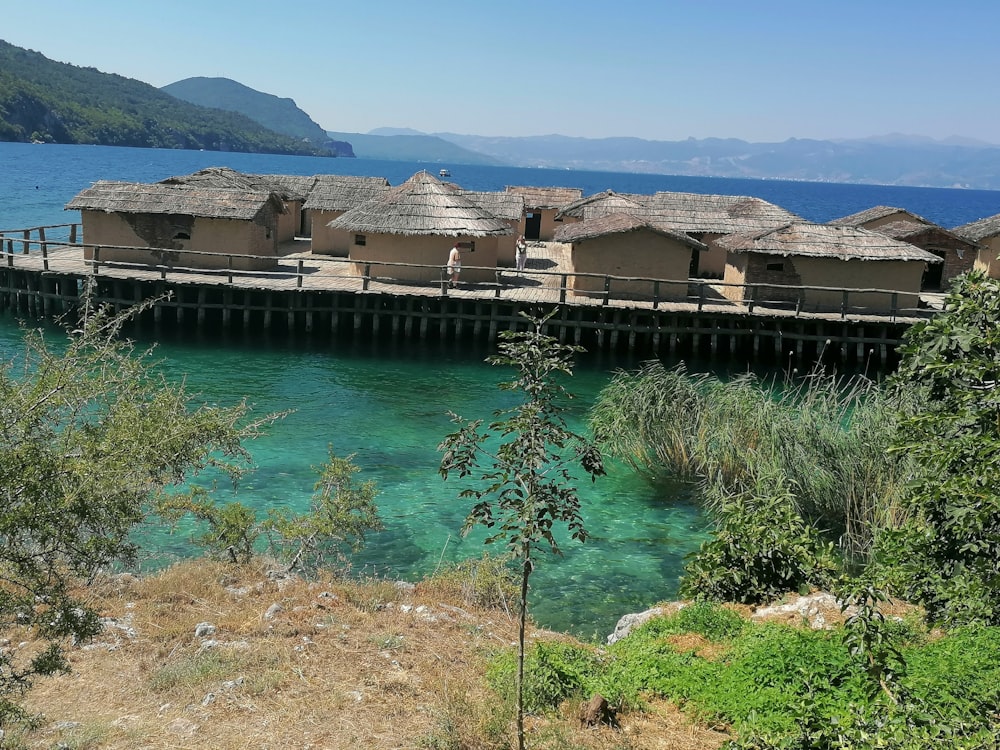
{"type": "Point", "coordinates": [340, 665]}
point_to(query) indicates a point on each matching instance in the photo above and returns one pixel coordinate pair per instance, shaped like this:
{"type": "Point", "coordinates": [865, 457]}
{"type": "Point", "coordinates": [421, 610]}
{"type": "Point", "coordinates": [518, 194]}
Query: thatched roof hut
{"type": "Point", "coordinates": [874, 214]}
{"type": "Point", "coordinates": [717, 214]}
{"type": "Point", "coordinates": [158, 198]}
{"type": "Point", "coordinates": [545, 198]}
{"type": "Point", "coordinates": [604, 204]}
{"type": "Point", "coordinates": [506, 206]}
{"type": "Point", "coordinates": [980, 230]}
{"type": "Point", "coordinates": [805, 239]}
{"type": "Point", "coordinates": [604, 226]}
{"type": "Point", "coordinates": [336, 192]}
{"type": "Point", "coordinates": [423, 205]}
{"type": "Point", "coordinates": [286, 187]}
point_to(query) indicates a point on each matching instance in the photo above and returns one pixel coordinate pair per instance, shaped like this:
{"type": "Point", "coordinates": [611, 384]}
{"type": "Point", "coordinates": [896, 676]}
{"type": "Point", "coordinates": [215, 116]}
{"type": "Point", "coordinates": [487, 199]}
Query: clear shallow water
{"type": "Point", "coordinates": [388, 404]}
{"type": "Point", "coordinates": [389, 407]}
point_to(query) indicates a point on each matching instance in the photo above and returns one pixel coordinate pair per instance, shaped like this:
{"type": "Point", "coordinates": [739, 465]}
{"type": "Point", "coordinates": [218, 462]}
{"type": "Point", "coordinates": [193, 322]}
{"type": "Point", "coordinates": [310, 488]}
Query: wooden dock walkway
{"type": "Point", "coordinates": [315, 293]}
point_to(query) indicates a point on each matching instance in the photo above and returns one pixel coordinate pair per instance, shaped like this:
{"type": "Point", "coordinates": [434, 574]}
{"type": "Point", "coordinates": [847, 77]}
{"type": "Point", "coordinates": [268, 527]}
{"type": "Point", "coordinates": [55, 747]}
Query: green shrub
{"type": "Point", "coordinates": [760, 550]}
{"type": "Point", "coordinates": [552, 673]}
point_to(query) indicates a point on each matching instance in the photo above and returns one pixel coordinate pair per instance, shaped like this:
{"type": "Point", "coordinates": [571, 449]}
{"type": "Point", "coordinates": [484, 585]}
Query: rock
{"type": "Point", "coordinates": [273, 611]}
{"type": "Point", "coordinates": [814, 609]}
{"type": "Point", "coordinates": [628, 622]}
{"type": "Point", "coordinates": [597, 711]}
{"type": "Point", "coordinates": [182, 726]}
{"type": "Point", "coordinates": [204, 630]}
{"type": "Point", "coordinates": [404, 586]}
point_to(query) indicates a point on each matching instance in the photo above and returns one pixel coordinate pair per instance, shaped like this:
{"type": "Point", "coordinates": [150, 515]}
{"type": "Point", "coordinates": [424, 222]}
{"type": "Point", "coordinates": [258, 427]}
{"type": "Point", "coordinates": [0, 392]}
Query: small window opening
{"type": "Point", "coordinates": [776, 266]}
{"type": "Point", "coordinates": [182, 235]}
{"type": "Point", "coordinates": [360, 239]}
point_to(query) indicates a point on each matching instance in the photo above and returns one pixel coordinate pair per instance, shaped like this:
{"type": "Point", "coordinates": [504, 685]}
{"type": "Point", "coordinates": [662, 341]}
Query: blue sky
{"type": "Point", "coordinates": [659, 69]}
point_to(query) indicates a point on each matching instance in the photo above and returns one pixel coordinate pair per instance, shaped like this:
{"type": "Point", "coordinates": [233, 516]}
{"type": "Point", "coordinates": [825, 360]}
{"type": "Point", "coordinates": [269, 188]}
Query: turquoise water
{"type": "Point", "coordinates": [388, 405]}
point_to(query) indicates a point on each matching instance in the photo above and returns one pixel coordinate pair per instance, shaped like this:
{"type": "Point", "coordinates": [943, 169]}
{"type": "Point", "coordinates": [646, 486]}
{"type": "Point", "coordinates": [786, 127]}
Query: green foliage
{"type": "Point", "coordinates": [527, 487]}
{"type": "Point", "coordinates": [760, 549]}
{"type": "Point", "coordinates": [64, 103]}
{"type": "Point", "coordinates": [946, 555]}
{"type": "Point", "coordinates": [554, 672]}
{"type": "Point", "coordinates": [340, 513]}
{"type": "Point", "coordinates": [826, 436]}
{"type": "Point", "coordinates": [90, 435]}
{"type": "Point", "coordinates": [232, 528]}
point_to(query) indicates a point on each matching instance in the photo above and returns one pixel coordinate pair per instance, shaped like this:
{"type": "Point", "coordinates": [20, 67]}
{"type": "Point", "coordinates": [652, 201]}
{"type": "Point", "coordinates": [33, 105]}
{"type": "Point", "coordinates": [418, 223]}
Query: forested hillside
{"type": "Point", "coordinates": [279, 114]}
{"type": "Point", "coordinates": [48, 101]}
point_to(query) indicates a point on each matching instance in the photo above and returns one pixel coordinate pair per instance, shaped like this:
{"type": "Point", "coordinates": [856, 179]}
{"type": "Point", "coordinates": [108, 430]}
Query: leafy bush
{"type": "Point", "coordinates": [760, 549]}
{"type": "Point", "coordinates": [552, 673]}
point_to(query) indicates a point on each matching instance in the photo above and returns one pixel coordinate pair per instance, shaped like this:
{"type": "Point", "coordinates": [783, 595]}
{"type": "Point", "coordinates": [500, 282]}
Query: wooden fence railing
{"type": "Point", "coordinates": [593, 288]}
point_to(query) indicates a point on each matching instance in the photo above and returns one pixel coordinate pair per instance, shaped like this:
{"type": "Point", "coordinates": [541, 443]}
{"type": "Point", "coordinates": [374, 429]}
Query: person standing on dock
{"type": "Point", "coordinates": [521, 254]}
{"type": "Point", "coordinates": [454, 265]}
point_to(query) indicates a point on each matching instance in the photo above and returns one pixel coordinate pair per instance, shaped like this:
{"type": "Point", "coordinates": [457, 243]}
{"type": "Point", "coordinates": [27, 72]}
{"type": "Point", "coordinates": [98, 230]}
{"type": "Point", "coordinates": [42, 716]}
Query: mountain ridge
{"type": "Point", "coordinates": [43, 100]}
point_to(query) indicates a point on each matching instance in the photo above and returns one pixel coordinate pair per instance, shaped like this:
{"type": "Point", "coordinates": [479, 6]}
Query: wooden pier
{"type": "Point", "coordinates": [326, 296]}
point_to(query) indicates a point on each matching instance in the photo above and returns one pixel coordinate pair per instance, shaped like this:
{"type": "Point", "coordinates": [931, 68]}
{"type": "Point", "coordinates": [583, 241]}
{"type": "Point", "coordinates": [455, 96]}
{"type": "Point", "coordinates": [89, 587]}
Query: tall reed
{"type": "Point", "coordinates": [826, 435]}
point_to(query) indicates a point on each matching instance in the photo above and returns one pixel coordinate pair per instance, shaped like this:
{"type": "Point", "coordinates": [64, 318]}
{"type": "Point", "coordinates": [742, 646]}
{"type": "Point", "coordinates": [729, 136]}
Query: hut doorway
{"type": "Point", "coordinates": [933, 273]}
{"type": "Point", "coordinates": [532, 225]}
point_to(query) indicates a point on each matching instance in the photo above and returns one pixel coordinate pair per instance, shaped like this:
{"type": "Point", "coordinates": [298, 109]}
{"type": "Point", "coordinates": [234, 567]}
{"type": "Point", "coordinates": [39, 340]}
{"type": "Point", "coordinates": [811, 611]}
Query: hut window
{"type": "Point", "coordinates": [360, 239]}
{"type": "Point", "coordinates": [182, 235]}
{"type": "Point", "coordinates": [779, 266]}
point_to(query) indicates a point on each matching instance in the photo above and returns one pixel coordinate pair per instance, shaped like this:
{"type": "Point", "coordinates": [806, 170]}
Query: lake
{"type": "Point", "coordinates": [387, 404]}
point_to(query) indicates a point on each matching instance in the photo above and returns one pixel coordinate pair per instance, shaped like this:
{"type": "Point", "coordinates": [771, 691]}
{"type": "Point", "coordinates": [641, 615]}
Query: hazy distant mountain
{"type": "Point", "coordinates": [275, 113]}
{"type": "Point", "coordinates": [887, 160]}
{"type": "Point", "coordinates": [410, 147]}
{"type": "Point", "coordinates": [48, 101]}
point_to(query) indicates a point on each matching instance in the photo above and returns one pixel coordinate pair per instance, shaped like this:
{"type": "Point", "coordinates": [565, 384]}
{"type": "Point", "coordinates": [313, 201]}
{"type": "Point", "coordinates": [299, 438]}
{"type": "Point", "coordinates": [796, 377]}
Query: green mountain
{"type": "Point", "coordinates": [54, 102]}
{"type": "Point", "coordinates": [427, 148]}
{"type": "Point", "coordinates": [275, 113]}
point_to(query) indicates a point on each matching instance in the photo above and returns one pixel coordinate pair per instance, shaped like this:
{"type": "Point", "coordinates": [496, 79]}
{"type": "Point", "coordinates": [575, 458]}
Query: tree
{"type": "Point", "coordinates": [527, 485]}
{"type": "Point", "coordinates": [339, 516]}
{"type": "Point", "coordinates": [90, 434]}
{"type": "Point", "coordinates": [950, 364]}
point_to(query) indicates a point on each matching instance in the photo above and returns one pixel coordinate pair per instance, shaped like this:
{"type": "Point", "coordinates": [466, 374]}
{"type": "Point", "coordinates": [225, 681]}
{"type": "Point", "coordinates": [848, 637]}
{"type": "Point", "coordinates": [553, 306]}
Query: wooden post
{"type": "Point", "coordinates": [656, 293]}
{"type": "Point", "coordinates": [752, 293]}
{"type": "Point", "coordinates": [893, 305]}
{"type": "Point", "coordinates": [229, 263]}
{"type": "Point", "coordinates": [607, 290]}
{"type": "Point", "coordinates": [97, 259]}
{"type": "Point", "coordinates": [41, 234]}
{"type": "Point", "coordinates": [843, 305]}
{"type": "Point", "coordinates": [72, 234]}
{"type": "Point", "coordinates": [366, 279]}
{"type": "Point", "coordinates": [298, 272]}
{"type": "Point", "coordinates": [26, 242]}
{"type": "Point", "coordinates": [701, 296]}
{"type": "Point", "coordinates": [45, 255]}
{"type": "Point", "coordinates": [10, 253]}
{"type": "Point", "coordinates": [563, 281]}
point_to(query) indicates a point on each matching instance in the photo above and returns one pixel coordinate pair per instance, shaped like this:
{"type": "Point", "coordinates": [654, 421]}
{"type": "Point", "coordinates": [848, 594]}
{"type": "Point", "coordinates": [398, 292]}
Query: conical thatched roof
{"type": "Point", "coordinates": [157, 198]}
{"type": "Point", "coordinates": [545, 197]}
{"type": "Point", "coordinates": [825, 241]}
{"type": "Point", "coordinates": [979, 230]}
{"type": "Point", "coordinates": [603, 204]}
{"type": "Point", "coordinates": [875, 213]}
{"type": "Point", "coordinates": [338, 192]}
{"type": "Point", "coordinates": [717, 214]}
{"type": "Point", "coordinates": [590, 229]}
{"type": "Point", "coordinates": [422, 205]}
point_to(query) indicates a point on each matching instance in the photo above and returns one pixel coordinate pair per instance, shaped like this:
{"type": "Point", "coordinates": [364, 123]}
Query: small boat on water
{"type": "Point", "coordinates": [444, 173]}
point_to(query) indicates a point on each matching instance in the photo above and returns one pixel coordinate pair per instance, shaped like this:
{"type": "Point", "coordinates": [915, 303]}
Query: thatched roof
{"type": "Point", "coordinates": [157, 198]}
{"type": "Point", "coordinates": [979, 230]}
{"type": "Point", "coordinates": [907, 231]}
{"type": "Point", "coordinates": [875, 213]}
{"type": "Point", "coordinates": [717, 214]}
{"type": "Point", "coordinates": [590, 229]}
{"type": "Point", "coordinates": [825, 241]}
{"type": "Point", "coordinates": [545, 197]}
{"type": "Point", "coordinates": [423, 205]}
{"type": "Point", "coordinates": [506, 206]}
{"type": "Point", "coordinates": [286, 187]}
{"type": "Point", "coordinates": [337, 192]}
{"type": "Point", "coordinates": [604, 204]}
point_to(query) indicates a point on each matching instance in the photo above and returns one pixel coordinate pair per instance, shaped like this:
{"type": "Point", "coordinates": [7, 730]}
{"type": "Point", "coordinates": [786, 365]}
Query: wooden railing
{"type": "Point", "coordinates": [602, 289]}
